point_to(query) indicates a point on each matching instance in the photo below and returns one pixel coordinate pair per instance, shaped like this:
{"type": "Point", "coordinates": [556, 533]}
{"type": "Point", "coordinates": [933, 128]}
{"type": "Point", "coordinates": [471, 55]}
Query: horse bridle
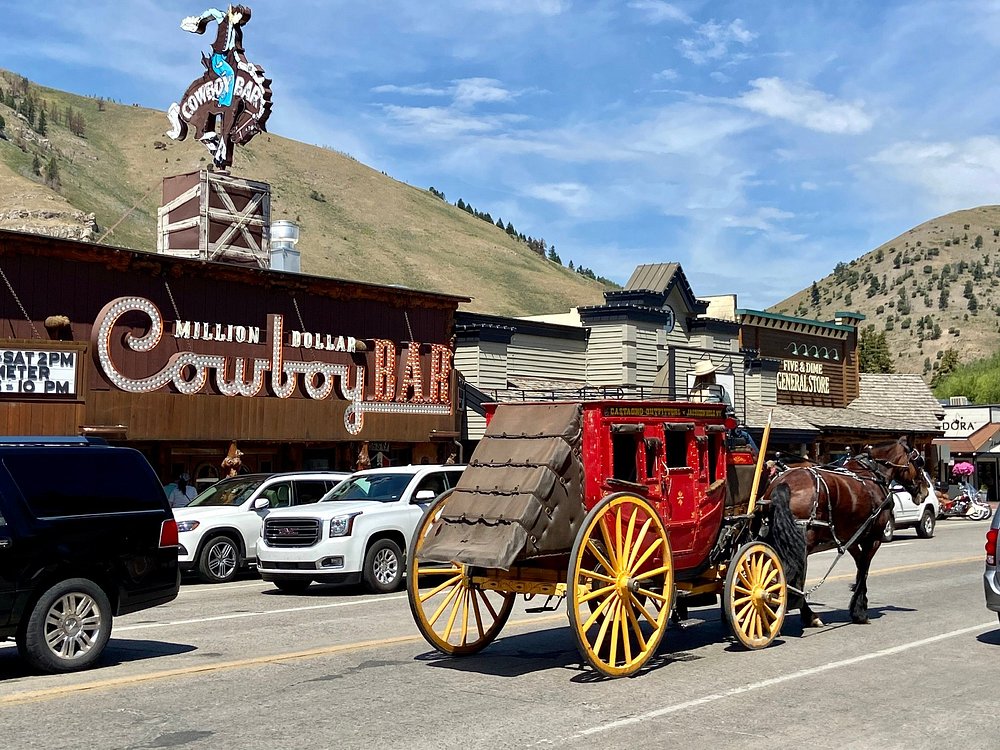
{"type": "Point", "coordinates": [915, 459]}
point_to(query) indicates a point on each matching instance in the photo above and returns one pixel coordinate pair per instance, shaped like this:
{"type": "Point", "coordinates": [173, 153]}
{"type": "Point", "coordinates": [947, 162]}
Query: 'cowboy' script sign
{"type": "Point", "coordinates": [231, 102]}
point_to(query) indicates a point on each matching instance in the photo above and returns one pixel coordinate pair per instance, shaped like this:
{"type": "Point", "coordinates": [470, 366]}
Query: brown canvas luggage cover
{"type": "Point", "coordinates": [521, 496]}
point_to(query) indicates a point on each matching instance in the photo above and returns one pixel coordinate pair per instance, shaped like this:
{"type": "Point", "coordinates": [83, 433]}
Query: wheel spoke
{"type": "Point", "coordinates": [454, 612]}
{"type": "Point", "coordinates": [595, 593]}
{"type": "Point", "coordinates": [618, 537]}
{"type": "Point", "coordinates": [626, 640]}
{"type": "Point", "coordinates": [442, 587]}
{"type": "Point", "coordinates": [489, 605]}
{"type": "Point", "coordinates": [653, 595]}
{"type": "Point", "coordinates": [465, 617]}
{"type": "Point", "coordinates": [615, 629]}
{"type": "Point", "coordinates": [631, 566]}
{"type": "Point", "coordinates": [476, 612]}
{"type": "Point", "coordinates": [642, 610]}
{"type": "Point", "coordinates": [597, 612]}
{"type": "Point", "coordinates": [601, 558]}
{"type": "Point", "coordinates": [651, 573]}
{"type": "Point", "coordinates": [634, 621]}
{"type": "Point", "coordinates": [441, 608]}
{"type": "Point", "coordinates": [609, 545]}
{"type": "Point", "coordinates": [655, 545]}
{"type": "Point", "coordinates": [629, 538]}
{"type": "Point", "coordinates": [584, 572]}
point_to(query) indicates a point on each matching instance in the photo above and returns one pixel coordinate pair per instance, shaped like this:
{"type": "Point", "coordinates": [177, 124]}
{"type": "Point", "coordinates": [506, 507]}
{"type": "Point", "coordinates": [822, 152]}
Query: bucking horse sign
{"type": "Point", "coordinates": [231, 102]}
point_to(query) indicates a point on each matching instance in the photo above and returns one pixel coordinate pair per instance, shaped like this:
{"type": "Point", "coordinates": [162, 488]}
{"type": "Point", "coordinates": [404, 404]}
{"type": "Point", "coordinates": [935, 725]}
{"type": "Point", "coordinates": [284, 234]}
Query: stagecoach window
{"type": "Point", "coordinates": [676, 449]}
{"type": "Point", "coordinates": [714, 444]}
{"type": "Point", "coordinates": [624, 455]}
{"type": "Point", "coordinates": [654, 447]}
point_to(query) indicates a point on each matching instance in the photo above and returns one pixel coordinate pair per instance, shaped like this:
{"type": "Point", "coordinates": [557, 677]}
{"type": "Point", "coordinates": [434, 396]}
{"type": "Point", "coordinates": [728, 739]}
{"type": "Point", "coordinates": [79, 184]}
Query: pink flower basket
{"type": "Point", "coordinates": [962, 469]}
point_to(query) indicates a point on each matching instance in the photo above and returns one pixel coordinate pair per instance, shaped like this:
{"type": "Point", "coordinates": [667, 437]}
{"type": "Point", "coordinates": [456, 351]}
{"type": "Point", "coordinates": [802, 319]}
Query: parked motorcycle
{"type": "Point", "coordinates": [969, 504]}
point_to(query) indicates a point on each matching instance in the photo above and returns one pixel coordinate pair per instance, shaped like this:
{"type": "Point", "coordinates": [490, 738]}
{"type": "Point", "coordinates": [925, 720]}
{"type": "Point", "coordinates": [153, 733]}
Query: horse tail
{"type": "Point", "coordinates": [789, 541]}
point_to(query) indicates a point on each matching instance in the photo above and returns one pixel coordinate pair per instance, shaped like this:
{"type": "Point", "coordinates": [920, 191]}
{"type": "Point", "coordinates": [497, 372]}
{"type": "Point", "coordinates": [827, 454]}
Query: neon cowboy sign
{"type": "Point", "coordinates": [189, 372]}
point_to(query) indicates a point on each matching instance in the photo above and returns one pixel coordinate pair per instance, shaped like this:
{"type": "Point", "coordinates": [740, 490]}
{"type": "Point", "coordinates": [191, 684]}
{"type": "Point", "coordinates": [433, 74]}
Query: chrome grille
{"type": "Point", "coordinates": [291, 532]}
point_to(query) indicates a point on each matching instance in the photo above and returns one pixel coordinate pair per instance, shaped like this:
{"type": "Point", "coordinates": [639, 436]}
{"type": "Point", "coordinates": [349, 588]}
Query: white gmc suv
{"type": "Point", "coordinates": [219, 529]}
{"type": "Point", "coordinates": [357, 532]}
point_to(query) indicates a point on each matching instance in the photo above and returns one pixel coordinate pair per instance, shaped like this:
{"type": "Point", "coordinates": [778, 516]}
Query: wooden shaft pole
{"type": "Point", "coordinates": [751, 506]}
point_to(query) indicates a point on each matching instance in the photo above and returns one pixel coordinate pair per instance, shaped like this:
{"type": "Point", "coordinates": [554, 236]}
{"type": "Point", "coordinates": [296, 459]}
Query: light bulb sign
{"type": "Point", "coordinates": [401, 385]}
{"type": "Point", "coordinates": [230, 103]}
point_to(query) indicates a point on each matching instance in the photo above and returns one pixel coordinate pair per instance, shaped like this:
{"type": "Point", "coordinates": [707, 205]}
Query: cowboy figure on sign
{"type": "Point", "coordinates": [232, 90]}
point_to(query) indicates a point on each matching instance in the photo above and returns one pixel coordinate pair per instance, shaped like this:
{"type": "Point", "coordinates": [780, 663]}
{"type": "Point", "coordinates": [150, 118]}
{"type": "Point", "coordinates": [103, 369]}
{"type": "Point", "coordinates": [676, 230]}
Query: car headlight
{"type": "Point", "coordinates": [187, 525]}
{"type": "Point", "coordinates": [342, 525]}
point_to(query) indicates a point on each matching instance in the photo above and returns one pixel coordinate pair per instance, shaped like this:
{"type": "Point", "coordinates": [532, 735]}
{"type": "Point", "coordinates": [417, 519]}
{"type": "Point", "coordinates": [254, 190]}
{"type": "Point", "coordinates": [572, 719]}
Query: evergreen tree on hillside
{"type": "Point", "coordinates": [873, 352]}
{"type": "Point", "coordinates": [947, 365]}
{"type": "Point", "coordinates": [42, 128]}
{"type": "Point", "coordinates": [814, 295]}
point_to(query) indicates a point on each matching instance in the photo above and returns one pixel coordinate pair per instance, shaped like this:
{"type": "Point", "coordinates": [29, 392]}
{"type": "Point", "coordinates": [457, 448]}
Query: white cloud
{"type": "Point", "coordinates": [805, 106]}
{"type": "Point", "coordinates": [445, 122]}
{"type": "Point", "coordinates": [807, 185]}
{"type": "Point", "coordinates": [526, 7]}
{"type": "Point", "coordinates": [713, 41]}
{"type": "Point", "coordinates": [571, 196]}
{"type": "Point", "coordinates": [390, 88]}
{"type": "Point", "coordinates": [667, 74]}
{"type": "Point", "coordinates": [657, 11]}
{"type": "Point", "coordinates": [951, 175]}
{"type": "Point", "coordinates": [472, 91]}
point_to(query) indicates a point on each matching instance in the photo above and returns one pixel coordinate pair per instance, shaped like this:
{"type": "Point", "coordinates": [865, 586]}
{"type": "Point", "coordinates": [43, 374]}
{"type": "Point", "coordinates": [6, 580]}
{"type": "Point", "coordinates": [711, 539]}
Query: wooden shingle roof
{"type": "Point", "coordinates": [905, 398]}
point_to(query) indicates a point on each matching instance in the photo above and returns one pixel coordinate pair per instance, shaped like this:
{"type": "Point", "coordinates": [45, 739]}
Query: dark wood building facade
{"type": "Point", "coordinates": [179, 358]}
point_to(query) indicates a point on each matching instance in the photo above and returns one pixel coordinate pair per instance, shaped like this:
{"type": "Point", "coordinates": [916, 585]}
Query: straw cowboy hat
{"type": "Point", "coordinates": [703, 368]}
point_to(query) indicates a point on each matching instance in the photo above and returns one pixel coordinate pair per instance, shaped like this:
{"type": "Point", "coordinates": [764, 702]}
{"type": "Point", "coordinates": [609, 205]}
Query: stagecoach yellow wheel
{"type": "Point", "coordinates": [621, 579]}
{"type": "Point", "coordinates": [453, 616]}
{"type": "Point", "coordinates": [755, 596]}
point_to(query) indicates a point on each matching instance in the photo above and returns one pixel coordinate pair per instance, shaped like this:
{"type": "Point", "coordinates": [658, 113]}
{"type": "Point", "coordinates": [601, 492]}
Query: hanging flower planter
{"type": "Point", "coordinates": [963, 469]}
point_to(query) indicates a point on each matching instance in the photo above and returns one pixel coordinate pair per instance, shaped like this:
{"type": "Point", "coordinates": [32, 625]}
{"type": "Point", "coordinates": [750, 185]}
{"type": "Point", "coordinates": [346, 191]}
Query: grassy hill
{"type": "Point", "coordinates": [932, 288]}
{"type": "Point", "coordinates": [356, 223]}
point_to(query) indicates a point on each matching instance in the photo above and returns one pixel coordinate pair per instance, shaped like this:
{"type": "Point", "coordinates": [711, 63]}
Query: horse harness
{"type": "Point", "coordinates": [817, 472]}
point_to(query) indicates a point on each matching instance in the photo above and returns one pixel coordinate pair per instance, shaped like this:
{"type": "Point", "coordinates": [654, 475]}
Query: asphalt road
{"type": "Point", "coordinates": [243, 666]}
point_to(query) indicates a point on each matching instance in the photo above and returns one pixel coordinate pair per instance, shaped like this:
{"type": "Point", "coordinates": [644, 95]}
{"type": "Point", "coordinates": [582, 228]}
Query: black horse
{"type": "Point", "coordinates": [844, 507]}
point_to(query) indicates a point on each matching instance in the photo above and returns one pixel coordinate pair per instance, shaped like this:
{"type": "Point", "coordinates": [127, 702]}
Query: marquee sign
{"type": "Point", "coordinates": [802, 377]}
{"type": "Point", "coordinates": [230, 103]}
{"type": "Point", "coordinates": [40, 373]}
{"type": "Point", "coordinates": [400, 385]}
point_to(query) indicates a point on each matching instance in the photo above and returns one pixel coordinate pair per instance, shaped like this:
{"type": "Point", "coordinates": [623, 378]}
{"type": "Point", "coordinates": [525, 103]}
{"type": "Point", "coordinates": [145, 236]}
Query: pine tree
{"type": "Point", "coordinates": [814, 295]}
{"type": "Point", "coordinates": [873, 352]}
{"type": "Point", "coordinates": [42, 127]}
{"type": "Point", "coordinates": [36, 166]}
{"type": "Point", "coordinates": [52, 173]}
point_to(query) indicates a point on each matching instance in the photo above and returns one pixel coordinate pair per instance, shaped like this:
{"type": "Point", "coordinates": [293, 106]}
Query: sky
{"type": "Point", "coordinates": [758, 144]}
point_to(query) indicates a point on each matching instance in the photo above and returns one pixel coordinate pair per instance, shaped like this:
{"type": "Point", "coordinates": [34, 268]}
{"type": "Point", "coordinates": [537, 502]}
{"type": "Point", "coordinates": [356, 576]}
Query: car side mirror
{"type": "Point", "coordinates": [261, 503]}
{"type": "Point", "coordinates": [424, 496]}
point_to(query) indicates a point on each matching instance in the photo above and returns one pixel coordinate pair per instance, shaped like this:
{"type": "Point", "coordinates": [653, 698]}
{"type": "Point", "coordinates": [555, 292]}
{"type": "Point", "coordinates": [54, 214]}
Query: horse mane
{"type": "Point", "coordinates": [789, 541]}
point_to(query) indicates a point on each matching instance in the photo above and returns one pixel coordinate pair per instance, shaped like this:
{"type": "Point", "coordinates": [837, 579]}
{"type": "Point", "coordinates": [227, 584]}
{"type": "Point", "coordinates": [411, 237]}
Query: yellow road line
{"type": "Point", "coordinates": [902, 568]}
{"type": "Point", "coordinates": [35, 696]}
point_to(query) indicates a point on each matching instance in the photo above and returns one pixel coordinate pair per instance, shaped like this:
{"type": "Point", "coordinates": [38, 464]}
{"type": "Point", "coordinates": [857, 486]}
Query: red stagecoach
{"type": "Point", "coordinates": [627, 509]}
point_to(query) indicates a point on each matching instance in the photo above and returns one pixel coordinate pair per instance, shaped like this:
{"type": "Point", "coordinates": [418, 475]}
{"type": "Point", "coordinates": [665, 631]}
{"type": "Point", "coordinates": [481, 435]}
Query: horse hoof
{"type": "Point", "coordinates": [860, 620]}
{"type": "Point", "coordinates": [815, 623]}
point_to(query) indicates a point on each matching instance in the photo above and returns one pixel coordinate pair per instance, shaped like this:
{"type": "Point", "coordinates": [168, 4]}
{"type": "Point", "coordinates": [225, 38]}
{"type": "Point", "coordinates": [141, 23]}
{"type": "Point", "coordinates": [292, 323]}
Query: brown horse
{"type": "Point", "coordinates": [842, 506]}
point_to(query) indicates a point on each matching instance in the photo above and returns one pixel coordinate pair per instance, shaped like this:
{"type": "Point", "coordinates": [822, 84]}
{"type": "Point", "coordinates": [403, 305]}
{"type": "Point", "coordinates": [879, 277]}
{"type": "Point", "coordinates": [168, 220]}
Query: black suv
{"type": "Point", "coordinates": [86, 533]}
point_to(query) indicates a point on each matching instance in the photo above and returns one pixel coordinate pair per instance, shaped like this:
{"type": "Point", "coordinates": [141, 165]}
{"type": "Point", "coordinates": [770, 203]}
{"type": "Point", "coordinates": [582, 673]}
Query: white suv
{"type": "Point", "coordinates": [905, 512]}
{"type": "Point", "coordinates": [358, 532]}
{"type": "Point", "coordinates": [219, 529]}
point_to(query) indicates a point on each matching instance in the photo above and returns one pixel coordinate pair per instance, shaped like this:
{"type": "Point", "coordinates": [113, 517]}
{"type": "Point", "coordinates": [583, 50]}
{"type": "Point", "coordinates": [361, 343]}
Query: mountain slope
{"type": "Point", "coordinates": [932, 288]}
{"type": "Point", "coordinates": [356, 223]}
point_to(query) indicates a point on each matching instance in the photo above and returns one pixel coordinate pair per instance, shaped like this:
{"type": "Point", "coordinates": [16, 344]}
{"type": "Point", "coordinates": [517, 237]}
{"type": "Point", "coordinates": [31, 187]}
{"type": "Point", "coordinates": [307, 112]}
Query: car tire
{"type": "Point", "coordinates": [68, 627]}
{"type": "Point", "coordinates": [383, 568]}
{"type": "Point", "coordinates": [925, 529]}
{"type": "Point", "coordinates": [889, 530]}
{"type": "Point", "coordinates": [219, 560]}
{"type": "Point", "coordinates": [292, 585]}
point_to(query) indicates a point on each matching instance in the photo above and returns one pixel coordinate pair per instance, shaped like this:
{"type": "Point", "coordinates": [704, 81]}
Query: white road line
{"type": "Point", "coordinates": [238, 615]}
{"type": "Point", "coordinates": [675, 708]}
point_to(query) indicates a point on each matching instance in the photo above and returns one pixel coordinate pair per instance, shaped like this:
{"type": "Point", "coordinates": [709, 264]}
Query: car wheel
{"type": "Point", "coordinates": [219, 560]}
{"type": "Point", "coordinates": [889, 530]}
{"type": "Point", "coordinates": [925, 529]}
{"type": "Point", "coordinates": [383, 568]}
{"type": "Point", "coordinates": [292, 585]}
{"type": "Point", "coordinates": [68, 628]}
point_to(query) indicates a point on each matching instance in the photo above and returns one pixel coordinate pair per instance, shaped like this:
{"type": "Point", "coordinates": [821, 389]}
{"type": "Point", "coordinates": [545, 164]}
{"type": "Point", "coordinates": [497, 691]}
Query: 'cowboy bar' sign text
{"type": "Point", "coordinates": [397, 389]}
